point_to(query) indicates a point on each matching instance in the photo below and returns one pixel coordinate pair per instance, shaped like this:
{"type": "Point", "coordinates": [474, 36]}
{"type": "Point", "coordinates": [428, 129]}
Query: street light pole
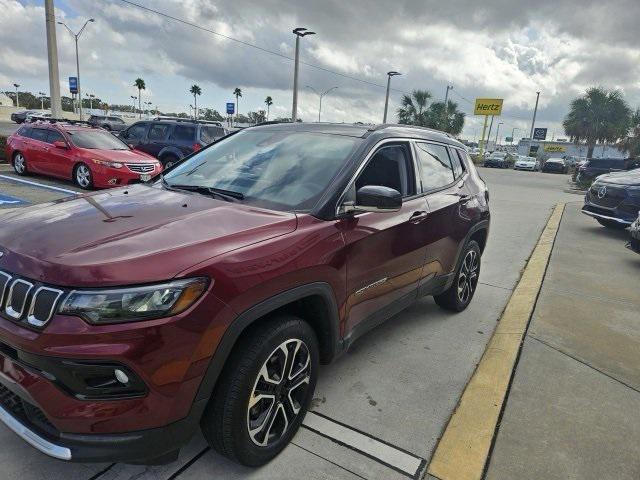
{"type": "Point", "coordinates": [298, 32]}
{"type": "Point", "coordinates": [42, 94]}
{"type": "Point", "coordinates": [386, 100]}
{"type": "Point", "coordinates": [535, 111]}
{"type": "Point", "coordinates": [320, 95]}
{"type": "Point", "coordinates": [133, 108]}
{"type": "Point", "coordinates": [513, 132]}
{"type": "Point", "coordinates": [76, 36]}
{"type": "Point", "coordinates": [446, 103]}
{"type": "Point", "coordinates": [52, 57]}
{"type": "Point", "coordinates": [497, 132]}
{"type": "Point", "coordinates": [17, 95]}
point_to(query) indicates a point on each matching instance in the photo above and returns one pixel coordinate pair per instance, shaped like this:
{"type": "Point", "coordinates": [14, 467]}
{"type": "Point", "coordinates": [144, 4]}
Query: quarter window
{"type": "Point", "coordinates": [457, 162]}
{"type": "Point", "coordinates": [435, 165]}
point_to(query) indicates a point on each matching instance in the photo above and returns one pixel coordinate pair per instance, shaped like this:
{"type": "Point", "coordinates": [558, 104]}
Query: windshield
{"type": "Point", "coordinates": [281, 170]}
{"type": "Point", "coordinates": [96, 140]}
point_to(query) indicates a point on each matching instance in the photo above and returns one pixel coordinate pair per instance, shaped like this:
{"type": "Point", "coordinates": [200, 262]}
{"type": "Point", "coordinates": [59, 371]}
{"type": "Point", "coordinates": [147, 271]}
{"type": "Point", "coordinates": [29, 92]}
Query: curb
{"type": "Point", "coordinates": [464, 447]}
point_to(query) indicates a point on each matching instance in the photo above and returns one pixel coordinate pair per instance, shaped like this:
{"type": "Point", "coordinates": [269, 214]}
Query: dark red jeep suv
{"type": "Point", "coordinates": [131, 317]}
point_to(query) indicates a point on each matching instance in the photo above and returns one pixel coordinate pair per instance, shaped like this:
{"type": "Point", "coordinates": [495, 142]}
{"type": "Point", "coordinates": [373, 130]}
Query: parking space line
{"type": "Point", "coordinates": [382, 452]}
{"type": "Point", "coordinates": [465, 445]}
{"type": "Point", "coordinates": [41, 185]}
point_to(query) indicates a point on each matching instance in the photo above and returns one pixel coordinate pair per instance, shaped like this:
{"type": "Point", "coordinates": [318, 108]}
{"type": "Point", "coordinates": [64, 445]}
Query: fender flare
{"type": "Point", "coordinates": [170, 150]}
{"type": "Point", "coordinates": [260, 310]}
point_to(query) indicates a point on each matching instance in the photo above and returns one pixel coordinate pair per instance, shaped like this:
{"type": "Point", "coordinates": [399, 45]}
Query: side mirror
{"type": "Point", "coordinates": [60, 144]}
{"type": "Point", "coordinates": [375, 198]}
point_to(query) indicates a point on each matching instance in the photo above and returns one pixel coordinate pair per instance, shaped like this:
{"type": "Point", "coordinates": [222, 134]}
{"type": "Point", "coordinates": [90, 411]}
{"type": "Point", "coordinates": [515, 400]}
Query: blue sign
{"type": "Point", "coordinates": [73, 84]}
{"type": "Point", "coordinates": [231, 108]}
{"type": "Point", "coordinates": [7, 201]}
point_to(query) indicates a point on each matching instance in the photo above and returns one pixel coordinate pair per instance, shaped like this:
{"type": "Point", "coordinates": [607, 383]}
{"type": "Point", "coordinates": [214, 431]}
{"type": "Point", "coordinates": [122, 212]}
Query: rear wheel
{"type": "Point", "coordinates": [264, 391]}
{"type": "Point", "coordinates": [19, 163]}
{"type": "Point", "coordinates": [82, 176]}
{"type": "Point", "coordinates": [459, 295]}
{"type": "Point", "coordinates": [611, 224]}
{"type": "Point", "coordinates": [169, 160]}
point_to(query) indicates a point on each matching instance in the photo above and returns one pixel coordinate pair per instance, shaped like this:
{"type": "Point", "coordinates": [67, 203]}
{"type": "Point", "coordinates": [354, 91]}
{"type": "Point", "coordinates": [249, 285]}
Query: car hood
{"type": "Point", "coordinates": [631, 177]}
{"type": "Point", "coordinates": [138, 234]}
{"type": "Point", "coordinates": [124, 156]}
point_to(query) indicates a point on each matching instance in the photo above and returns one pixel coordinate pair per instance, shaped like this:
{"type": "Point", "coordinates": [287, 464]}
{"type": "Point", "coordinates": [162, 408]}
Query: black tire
{"type": "Point", "coordinates": [228, 416]}
{"type": "Point", "coordinates": [458, 297]}
{"type": "Point", "coordinates": [19, 163]}
{"type": "Point", "coordinates": [611, 224]}
{"type": "Point", "coordinates": [168, 161]}
{"type": "Point", "coordinates": [82, 176]}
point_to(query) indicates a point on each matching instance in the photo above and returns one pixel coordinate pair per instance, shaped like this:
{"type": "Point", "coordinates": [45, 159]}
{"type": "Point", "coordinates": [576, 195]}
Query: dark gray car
{"type": "Point", "coordinates": [111, 123]}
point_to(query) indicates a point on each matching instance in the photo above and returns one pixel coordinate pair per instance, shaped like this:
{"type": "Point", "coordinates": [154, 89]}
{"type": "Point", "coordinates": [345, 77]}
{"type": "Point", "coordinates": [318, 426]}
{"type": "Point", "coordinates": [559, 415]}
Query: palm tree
{"type": "Point", "coordinates": [599, 116]}
{"type": "Point", "coordinates": [269, 102]}
{"type": "Point", "coordinates": [195, 91]}
{"type": "Point", "coordinates": [451, 122]}
{"type": "Point", "coordinates": [413, 108]}
{"type": "Point", "coordinates": [140, 85]}
{"type": "Point", "coordinates": [631, 143]}
{"type": "Point", "coordinates": [238, 93]}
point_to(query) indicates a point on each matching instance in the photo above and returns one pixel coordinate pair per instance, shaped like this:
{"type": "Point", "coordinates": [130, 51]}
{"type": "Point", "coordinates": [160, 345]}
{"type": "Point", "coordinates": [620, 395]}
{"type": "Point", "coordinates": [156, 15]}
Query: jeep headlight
{"type": "Point", "coordinates": [129, 304]}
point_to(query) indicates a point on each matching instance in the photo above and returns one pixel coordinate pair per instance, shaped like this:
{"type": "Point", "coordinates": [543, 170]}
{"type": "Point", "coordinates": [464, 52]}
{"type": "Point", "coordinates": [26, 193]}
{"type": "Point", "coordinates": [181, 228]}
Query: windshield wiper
{"type": "Point", "coordinates": [220, 192]}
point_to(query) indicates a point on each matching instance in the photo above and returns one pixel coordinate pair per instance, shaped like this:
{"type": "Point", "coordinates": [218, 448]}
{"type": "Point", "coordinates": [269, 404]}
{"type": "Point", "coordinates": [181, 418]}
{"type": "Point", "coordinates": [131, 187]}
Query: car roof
{"type": "Point", "coordinates": [387, 130]}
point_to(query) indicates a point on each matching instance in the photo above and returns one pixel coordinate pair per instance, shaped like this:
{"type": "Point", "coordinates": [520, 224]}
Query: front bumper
{"type": "Point", "coordinates": [530, 168]}
{"type": "Point", "coordinates": [106, 177]}
{"type": "Point", "coordinates": [622, 208]}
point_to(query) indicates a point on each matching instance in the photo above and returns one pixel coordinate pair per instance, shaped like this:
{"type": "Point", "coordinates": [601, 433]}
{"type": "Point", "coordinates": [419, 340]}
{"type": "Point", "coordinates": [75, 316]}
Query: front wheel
{"type": "Point", "coordinates": [264, 391]}
{"type": "Point", "coordinates": [82, 177]}
{"type": "Point", "coordinates": [459, 295]}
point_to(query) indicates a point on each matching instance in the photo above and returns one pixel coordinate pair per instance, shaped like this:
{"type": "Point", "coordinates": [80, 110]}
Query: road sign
{"type": "Point", "coordinates": [539, 133]}
{"type": "Point", "coordinates": [8, 201]}
{"type": "Point", "coordinates": [488, 106]}
{"type": "Point", "coordinates": [73, 84]}
{"type": "Point", "coordinates": [231, 108]}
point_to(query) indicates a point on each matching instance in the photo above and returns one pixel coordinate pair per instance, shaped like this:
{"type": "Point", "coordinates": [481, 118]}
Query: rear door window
{"type": "Point", "coordinates": [39, 134]}
{"type": "Point", "coordinates": [436, 170]}
{"type": "Point", "coordinates": [183, 133]}
{"type": "Point", "coordinates": [159, 131]}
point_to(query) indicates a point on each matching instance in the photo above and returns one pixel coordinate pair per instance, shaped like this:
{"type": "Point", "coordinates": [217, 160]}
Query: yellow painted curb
{"type": "Point", "coordinates": [462, 451]}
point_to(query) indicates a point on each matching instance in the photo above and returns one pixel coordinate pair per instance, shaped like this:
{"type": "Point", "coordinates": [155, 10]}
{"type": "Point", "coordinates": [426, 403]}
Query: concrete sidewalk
{"type": "Point", "coordinates": [573, 411]}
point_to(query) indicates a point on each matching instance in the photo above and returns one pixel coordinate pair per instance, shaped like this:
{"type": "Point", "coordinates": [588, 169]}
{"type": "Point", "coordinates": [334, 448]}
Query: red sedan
{"type": "Point", "coordinates": [91, 157]}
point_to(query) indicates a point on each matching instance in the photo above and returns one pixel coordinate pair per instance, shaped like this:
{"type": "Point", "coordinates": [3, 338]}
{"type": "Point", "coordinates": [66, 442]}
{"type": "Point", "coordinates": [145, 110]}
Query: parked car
{"type": "Point", "coordinates": [171, 140]}
{"type": "Point", "coordinates": [555, 165]}
{"type": "Point", "coordinates": [20, 117]}
{"type": "Point", "coordinates": [89, 156]}
{"type": "Point", "coordinates": [527, 163]}
{"type": "Point", "coordinates": [498, 159]}
{"type": "Point", "coordinates": [634, 230]}
{"type": "Point", "coordinates": [614, 199]}
{"type": "Point", "coordinates": [38, 115]}
{"type": "Point", "coordinates": [594, 167]}
{"type": "Point", "coordinates": [210, 297]}
{"type": "Point", "coordinates": [111, 123]}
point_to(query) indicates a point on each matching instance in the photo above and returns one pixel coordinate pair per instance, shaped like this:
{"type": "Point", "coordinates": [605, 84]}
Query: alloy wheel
{"type": "Point", "coordinates": [83, 176]}
{"type": "Point", "coordinates": [278, 392]}
{"type": "Point", "coordinates": [18, 163]}
{"type": "Point", "coordinates": [468, 277]}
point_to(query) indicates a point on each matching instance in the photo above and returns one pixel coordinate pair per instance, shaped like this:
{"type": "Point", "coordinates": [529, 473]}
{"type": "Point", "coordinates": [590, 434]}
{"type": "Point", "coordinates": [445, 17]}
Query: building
{"type": "Point", "coordinates": [5, 100]}
{"type": "Point", "coordinates": [548, 148]}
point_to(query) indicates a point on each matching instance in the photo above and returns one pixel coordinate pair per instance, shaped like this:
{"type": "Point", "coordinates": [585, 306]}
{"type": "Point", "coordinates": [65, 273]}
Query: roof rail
{"type": "Point", "coordinates": [187, 120]}
{"type": "Point", "coordinates": [400, 125]}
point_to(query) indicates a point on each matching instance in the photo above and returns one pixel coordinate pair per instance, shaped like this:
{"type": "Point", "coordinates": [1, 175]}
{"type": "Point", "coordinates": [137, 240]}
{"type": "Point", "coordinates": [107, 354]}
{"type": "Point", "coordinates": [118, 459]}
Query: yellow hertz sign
{"type": "Point", "coordinates": [555, 148]}
{"type": "Point", "coordinates": [488, 106]}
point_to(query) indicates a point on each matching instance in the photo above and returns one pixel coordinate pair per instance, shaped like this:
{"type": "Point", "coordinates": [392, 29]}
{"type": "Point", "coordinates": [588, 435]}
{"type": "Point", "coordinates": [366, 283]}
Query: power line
{"type": "Point", "coordinates": [248, 44]}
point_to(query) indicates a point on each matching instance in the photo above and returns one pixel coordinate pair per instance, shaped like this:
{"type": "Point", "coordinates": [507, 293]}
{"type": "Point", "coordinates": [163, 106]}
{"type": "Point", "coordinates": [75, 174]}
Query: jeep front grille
{"type": "Point", "coordinates": [25, 301]}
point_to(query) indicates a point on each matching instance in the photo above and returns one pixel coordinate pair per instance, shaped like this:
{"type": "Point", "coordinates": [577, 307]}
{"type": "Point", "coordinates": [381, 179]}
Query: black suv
{"type": "Point", "coordinates": [614, 199]}
{"type": "Point", "coordinates": [113, 124]}
{"type": "Point", "coordinates": [594, 167]}
{"type": "Point", "coordinates": [170, 140]}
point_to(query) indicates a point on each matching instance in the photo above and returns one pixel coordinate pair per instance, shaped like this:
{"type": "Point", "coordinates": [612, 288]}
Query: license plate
{"type": "Point", "coordinates": [145, 177]}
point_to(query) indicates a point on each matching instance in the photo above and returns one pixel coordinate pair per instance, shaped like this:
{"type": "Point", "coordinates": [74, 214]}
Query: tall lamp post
{"type": "Point", "coordinates": [298, 32]}
{"type": "Point", "coordinates": [91, 96]}
{"type": "Point", "coordinates": [42, 95]}
{"type": "Point", "coordinates": [513, 133]}
{"type": "Point", "coordinates": [535, 111]}
{"type": "Point", "coordinates": [134, 98]}
{"type": "Point", "coordinates": [17, 85]}
{"type": "Point", "coordinates": [320, 95]}
{"type": "Point", "coordinates": [497, 132]}
{"type": "Point", "coordinates": [386, 101]}
{"type": "Point", "coordinates": [76, 36]}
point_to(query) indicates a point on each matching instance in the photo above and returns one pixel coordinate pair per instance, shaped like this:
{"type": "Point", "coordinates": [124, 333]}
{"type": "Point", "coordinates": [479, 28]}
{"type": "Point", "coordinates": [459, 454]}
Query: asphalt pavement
{"type": "Point", "coordinates": [379, 410]}
{"type": "Point", "coordinates": [7, 128]}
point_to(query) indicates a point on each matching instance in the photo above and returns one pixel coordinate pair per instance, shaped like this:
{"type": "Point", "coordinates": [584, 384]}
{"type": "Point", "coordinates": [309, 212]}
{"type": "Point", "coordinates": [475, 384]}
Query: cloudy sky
{"type": "Point", "coordinates": [494, 48]}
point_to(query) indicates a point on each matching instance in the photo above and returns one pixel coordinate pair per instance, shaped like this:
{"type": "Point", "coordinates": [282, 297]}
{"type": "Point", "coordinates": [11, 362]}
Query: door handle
{"type": "Point", "coordinates": [418, 216]}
